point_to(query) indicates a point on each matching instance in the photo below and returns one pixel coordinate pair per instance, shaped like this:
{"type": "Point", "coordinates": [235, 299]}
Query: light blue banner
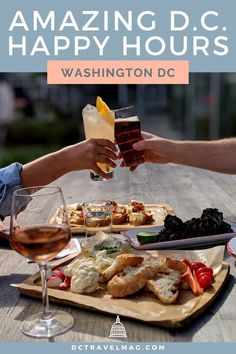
{"type": "Point", "coordinates": [102, 30]}
{"type": "Point", "coordinates": [119, 347]}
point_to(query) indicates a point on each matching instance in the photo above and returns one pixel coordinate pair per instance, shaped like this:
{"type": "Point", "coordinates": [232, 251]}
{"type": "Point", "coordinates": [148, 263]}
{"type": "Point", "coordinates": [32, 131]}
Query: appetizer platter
{"type": "Point", "coordinates": [166, 288]}
{"type": "Point", "coordinates": [208, 229]}
{"type": "Point", "coordinates": [124, 216]}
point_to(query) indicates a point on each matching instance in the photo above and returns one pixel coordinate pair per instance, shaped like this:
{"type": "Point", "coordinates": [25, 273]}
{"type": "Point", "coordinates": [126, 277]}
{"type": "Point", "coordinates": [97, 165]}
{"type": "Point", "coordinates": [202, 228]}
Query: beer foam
{"type": "Point", "coordinates": [130, 119]}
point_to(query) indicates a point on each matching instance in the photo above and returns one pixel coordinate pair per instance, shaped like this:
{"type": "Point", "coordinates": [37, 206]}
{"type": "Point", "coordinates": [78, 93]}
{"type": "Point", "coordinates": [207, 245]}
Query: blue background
{"type": "Point", "coordinates": [113, 51]}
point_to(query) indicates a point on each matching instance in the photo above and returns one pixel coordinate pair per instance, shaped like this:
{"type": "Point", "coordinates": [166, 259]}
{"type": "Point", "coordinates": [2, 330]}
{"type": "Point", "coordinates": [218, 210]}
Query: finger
{"type": "Point", "coordinates": [119, 156]}
{"type": "Point", "coordinates": [107, 161]}
{"type": "Point", "coordinates": [122, 164]}
{"type": "Point", "coordinates": [133, 168]}
{"type": "Point", "coordinates": [100, 172]}
{"type": "Point", "coordinates": [107, 144]}
{"type": "Point", "coordinates": [143, 144]}
{"type": "Point", "coordinates": [146, 135]}
{"type": "Point", "coordinates": [106, 152]}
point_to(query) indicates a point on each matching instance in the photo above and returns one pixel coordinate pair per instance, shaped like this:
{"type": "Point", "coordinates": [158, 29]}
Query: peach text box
{"type": "Point", "coordinates": [117, 72]}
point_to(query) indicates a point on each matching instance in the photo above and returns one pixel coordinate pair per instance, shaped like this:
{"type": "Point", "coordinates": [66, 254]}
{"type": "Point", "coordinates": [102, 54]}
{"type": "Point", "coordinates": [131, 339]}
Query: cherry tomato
{"type": "Point", "coordinates": [186, 261]}
{"type": "Point", "coordinates": [65, 284]}
{"type": "Point", "coordinates": [205, 281]}
{"type": "Point", "coordinates": [204, 270]}
{"type": "Point", "coordinates": [196, 265]}
{"type": "Point", "coordinates": [199, 275]}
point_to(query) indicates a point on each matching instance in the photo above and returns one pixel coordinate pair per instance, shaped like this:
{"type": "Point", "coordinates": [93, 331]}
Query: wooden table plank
{"type": "Point", "coordinates": [189, 191]}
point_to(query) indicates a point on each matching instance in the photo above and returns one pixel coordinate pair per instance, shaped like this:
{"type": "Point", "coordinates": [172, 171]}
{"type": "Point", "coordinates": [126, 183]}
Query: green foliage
{"type": "Point", "coordinates": [28, 139]}
{"type": "Point", "coordinates": [23, 154]}
{"type": "Point", "coordinates": [31, 131]}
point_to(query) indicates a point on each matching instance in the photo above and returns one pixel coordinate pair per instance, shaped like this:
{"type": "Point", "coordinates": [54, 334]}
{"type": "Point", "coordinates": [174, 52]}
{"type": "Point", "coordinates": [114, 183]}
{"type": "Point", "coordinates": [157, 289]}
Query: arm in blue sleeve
{"type": "Point", "coordinates": [10, 181]}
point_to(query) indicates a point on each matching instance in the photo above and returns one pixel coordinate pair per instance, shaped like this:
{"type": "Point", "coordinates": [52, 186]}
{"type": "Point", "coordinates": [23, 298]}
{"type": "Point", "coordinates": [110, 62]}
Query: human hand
{"type": "Point", "coordinates": [156, 149]}
{"type": "Point", "coordinates": [88, 153]}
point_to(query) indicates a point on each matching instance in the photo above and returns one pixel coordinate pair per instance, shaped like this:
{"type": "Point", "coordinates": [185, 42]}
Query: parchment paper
{"type": "Point", "coordinates": [145, 306]}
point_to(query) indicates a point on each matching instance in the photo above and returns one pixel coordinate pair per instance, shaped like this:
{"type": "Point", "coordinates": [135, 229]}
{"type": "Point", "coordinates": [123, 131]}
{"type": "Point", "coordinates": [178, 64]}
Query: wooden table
{"type": "Point", "coordinates": [188, 191]}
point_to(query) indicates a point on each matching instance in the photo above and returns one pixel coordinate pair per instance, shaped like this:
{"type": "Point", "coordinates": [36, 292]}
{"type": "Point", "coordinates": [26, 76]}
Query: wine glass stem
{"type": "Point", "coordinates": [43, 272]}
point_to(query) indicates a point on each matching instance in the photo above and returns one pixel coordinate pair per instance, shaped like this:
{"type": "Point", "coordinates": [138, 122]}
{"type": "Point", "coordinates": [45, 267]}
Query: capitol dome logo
{"type": "Point", "coordinates": [117, 329]}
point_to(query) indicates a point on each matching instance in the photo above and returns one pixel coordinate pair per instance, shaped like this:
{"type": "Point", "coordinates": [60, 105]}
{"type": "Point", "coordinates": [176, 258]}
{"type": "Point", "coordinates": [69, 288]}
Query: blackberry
{"type": "Point", "coordinates": [211, 220]}
{"type": "Point", "coordinates": [192, 228]}
{"type": "Point", "coordinates": [173, 223]}
{"type": "Point", "coordinates": [224, 228]}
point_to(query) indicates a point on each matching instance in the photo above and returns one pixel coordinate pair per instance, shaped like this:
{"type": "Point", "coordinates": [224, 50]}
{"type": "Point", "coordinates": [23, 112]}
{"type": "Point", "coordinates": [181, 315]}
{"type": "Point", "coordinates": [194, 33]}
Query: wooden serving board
{"type": "Point", "coordinates": [159, 213]}
{"type": "Point", "coordinates": [141, 306]}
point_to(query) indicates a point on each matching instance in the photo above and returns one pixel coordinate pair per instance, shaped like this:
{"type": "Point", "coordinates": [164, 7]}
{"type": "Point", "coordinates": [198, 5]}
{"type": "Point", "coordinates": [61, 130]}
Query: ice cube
{"type": "Point", "coordinates": [89, 109]}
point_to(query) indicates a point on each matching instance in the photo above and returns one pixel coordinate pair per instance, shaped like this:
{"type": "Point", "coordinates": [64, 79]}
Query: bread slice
{"type": "Point", "coordinates": [136, 206]}
{"type": "Point", "coordinates": [121, 261]}
{"type": "Point", "coordinates": [158, 264]}
{"type": "Point", "coordinates": [118, 219]}
{"type": "Point", "coordinates": [137, 218]}
{"type": "Point", "coordinates": [166, 286]}
{"type": "Point", "coordinates": [175, 264]}
{"type": "Point", "coordinates": [131, 280]}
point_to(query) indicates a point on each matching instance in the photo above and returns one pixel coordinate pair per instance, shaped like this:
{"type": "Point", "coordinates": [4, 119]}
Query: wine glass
{"type": "Point", "coordinates": [35, 235]}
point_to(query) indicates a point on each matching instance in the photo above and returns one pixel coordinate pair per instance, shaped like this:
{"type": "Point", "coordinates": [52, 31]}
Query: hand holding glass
{"type": "Point", "coordinates": [128, 132]}
{"type": "Point", "coordinates": [96, 126]}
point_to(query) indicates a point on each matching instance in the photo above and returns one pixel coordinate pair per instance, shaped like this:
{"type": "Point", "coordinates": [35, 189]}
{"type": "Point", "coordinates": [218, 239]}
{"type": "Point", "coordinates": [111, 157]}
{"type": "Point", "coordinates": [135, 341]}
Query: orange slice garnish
{"type": "Point", "coordinates": [105, 111]}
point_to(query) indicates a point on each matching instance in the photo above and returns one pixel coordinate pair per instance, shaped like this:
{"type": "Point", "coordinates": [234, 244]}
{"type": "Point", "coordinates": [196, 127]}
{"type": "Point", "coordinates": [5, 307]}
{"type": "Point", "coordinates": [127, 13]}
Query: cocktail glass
{"type": "Point", "coordinates": [98, 126]}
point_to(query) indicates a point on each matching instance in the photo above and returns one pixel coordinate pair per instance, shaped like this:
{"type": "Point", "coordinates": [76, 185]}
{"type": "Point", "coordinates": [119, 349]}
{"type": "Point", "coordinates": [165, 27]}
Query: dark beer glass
{"type": "Point", "coordinates": [128, 132]}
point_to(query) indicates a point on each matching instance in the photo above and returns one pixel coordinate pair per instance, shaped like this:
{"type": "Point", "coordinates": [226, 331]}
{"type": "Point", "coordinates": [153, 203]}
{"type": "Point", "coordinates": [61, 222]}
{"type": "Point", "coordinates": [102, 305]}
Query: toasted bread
{"type": "Point", "coordinates": [131, 280]}
{"type": "Point", "coordinates": [76, 222]}
{"type": "Point", "coordinates": [158, 264]}
{"type": "Point", "coordinates": [121, 261]}
{"type": "Point", "coordinates": [136, 206]}
{"type": "Point", "coordinates": [76, 218]}
{"type": "Point", "coordinates": [79, 207]}
{"type": "Point", "coordinates": [136, 219]}
{"type": "Point", "coordinates": [118, 219]}
{"type": "Point", "coordinates": [166, 287]}
{"type": "Point", "coordinates": [175, 264]}
{"type": "Point", "coordinates": [148, 218]}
